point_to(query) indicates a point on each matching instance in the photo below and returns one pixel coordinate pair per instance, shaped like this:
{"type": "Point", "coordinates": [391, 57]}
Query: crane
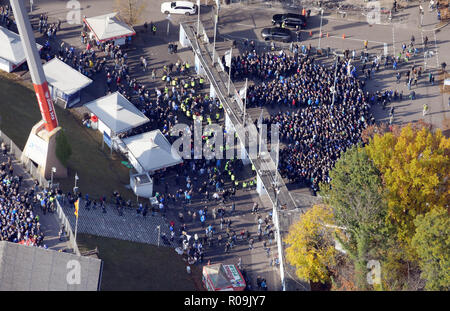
{"type": "Point", "coordinates": [42, 141]}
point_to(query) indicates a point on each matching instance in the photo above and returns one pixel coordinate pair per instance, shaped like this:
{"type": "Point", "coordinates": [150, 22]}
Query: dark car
{"type": "Point", "coordinates": [290, 20]}
{"type": "Point", "coordinates": [277, 34]}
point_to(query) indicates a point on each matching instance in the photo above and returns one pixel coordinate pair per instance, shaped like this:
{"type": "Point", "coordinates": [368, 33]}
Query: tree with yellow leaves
{"type": "Point", "coordinates": [311, 245]}
{"type": "Point", "coordinates": [415, 169]}
{"type": "Point", "coordinates": [131, 10]}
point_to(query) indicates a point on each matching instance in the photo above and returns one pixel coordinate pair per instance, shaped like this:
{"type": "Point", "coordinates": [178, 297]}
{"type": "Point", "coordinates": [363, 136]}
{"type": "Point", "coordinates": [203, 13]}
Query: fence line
{"type": "Point", "coordinates": [65, 221]}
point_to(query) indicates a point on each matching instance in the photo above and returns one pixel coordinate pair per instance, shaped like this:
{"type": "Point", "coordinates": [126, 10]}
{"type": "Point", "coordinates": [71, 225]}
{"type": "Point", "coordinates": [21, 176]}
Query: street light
{"type": "Point", "coordinates": [320, 32]}
{"type": "Point", "coordinates": [215, 31]}
{"type": "Point", "coordinates": [51, 182]}
{"type": "Point", "coordinates": [75, 188]}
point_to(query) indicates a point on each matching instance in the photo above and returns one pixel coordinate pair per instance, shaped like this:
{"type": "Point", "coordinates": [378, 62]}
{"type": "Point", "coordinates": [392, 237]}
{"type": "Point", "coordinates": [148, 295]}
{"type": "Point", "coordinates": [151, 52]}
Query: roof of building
{"type": "Point", "coordinates": [152, 150]}
{"type": "Point", "coordinates": [64, 77]}
{"type": "Point", "coordinates": [109, 27]}
{"type": "Point", "coordinates": [11, 47]}
{"type": "Point", "coordinates": [30, 268]}
{"type": "Point", "coordinates": [117, 113]}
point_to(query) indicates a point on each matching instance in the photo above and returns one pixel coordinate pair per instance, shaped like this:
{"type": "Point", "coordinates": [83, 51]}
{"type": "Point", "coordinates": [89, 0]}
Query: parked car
{"type": "Point", "coordinates": [179, 7]}
{"type": "Point", "coordinates": [276, 34]}
{"type": "Point", "coordinates": [290, 20]}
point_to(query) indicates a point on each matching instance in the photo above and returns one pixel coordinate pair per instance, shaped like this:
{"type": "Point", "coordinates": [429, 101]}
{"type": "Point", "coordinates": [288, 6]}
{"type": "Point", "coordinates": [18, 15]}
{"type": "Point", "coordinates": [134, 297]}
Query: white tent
{"type": "Point", "coordinates": [65, 82]}
{"type": "Point", "coordinates": [109, 27]}
{"type": "Point", "coordinates": [150, 151]}
{"type": "Point", "coordinates": [12, 53]}
{"type": "Point", "coordinates": [116, 114]}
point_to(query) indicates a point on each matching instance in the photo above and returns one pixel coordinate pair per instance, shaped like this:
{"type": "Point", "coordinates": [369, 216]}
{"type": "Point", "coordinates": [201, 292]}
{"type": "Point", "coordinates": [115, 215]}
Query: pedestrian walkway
{"type": "Point", "coordinates": [131, 226]}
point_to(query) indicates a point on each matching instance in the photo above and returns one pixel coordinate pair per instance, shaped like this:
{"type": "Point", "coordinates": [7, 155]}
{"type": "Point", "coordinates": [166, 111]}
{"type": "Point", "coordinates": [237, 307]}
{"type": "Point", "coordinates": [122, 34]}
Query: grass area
{"type": "Point", "coordinates": [136, 266]}
{"type": "Point", "coordinates": [99, 174]}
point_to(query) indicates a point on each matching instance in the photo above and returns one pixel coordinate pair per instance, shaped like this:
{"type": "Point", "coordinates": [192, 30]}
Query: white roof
{"type": "Point", "coordinates": [64, 78]}
{"type": "Point", "coordinates": [152, 150]}
{"type": "Point", "coordinates": [117, 113]}
{"type": "Point", "coordinates": [11, 47]}
{"type": "Point", "coordinates": [109, 26]}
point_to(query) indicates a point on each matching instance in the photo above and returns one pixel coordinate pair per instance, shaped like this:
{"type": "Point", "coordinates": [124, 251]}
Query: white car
{"type": "Point", "coordinates": [179, 7]}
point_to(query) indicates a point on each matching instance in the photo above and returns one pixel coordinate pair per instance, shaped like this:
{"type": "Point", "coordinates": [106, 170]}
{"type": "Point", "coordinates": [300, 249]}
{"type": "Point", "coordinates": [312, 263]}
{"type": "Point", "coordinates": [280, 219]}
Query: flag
{"type": "Point", "coordinates": [77, 204]}
{"type": "Point", "coordinates": [242, 92]}
{"type": "Point", "coordinates": [228, 58]}
{"type": "Point", "coordinates": [260, 119]}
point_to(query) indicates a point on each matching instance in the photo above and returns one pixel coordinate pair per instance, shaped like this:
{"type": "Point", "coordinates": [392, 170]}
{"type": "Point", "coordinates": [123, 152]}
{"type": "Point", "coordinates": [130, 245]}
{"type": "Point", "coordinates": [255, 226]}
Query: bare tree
{"type": "Point", "coordinates": [131, 10]}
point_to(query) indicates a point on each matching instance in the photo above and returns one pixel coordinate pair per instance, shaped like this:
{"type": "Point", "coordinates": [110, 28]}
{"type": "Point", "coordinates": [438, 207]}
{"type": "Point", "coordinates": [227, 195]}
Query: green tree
{"type": "Point", "coordinates": [63, 149]}
{"type": "Point", "coordinates": [432, 243]}
{"type": "Point", "coordinates": [357, 197]}
{"type": "Point", "coordinates": [311, 246]}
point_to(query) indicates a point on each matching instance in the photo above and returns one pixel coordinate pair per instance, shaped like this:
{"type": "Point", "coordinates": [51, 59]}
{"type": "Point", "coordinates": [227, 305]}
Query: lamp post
{"type": "Point", "coordinates": [51, 181]}
{"type": "Point", "coordinates": [320, 32]}
{"type": "Point", "coordinates": [75, 188]}
{"type": "Point", "coordinates": [215, 31]}
{"type": "Point", "coordinates": [335, 76]}
{"type": "Point", "coordinates": [198, 18]}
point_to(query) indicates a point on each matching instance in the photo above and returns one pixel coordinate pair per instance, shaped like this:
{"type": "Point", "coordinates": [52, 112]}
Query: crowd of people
{"type": "Point", "coordinates": [18, 222]}
{"type": "Point", "coordinates": [5, 13]}
{"type": "Point", "coordinates": [316, 124]}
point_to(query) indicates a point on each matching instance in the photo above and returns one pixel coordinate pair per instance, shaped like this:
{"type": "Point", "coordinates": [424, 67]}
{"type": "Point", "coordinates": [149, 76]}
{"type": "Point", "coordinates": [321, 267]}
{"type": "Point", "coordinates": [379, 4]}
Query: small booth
{"type": "Point", "coordinates": [64, 82]}
{"type": "Point", "coordinates": [220, 277]}
{"type": "Point", "coordinates": [12, 54]}
{"type": "Point", "coordinates": [150, 151]}
{"type": "Point", "coordinates": [142, 185]}
{"type": "Point", "coordinates": [109, 27]}
{"type": "Point", "coordinates": [114, 114]}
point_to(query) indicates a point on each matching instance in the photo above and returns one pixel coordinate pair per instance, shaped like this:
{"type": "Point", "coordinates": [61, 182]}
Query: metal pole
{"type": "Point", "coordinates": [159, 233]}
{"type": "Point", "coordinates": [229, 71]}
{"type": "Point", "coordinates": [320, 32]}
{"type": "Point", "coordinates": [198, 19]}
{"type": "Point", "coordinates": [215, 31]}
{"type": "Point", "coordinates": [51, 181]}
{"type": "Point", "coordinates": [334, 87]}
{"type": "Point", "coordinates": [76, 225]}
{"type": "Point", "coordinates": [245, 100]}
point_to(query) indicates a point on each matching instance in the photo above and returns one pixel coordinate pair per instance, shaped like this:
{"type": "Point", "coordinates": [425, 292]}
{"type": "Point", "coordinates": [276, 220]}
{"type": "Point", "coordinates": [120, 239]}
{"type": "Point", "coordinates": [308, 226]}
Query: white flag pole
{"type": "Point", "coordinates": [245, 99]}
{"type": "Point", "coordinates": [229, 70]}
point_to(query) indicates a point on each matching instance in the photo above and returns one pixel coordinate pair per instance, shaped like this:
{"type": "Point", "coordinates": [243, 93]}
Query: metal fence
{"type": "Point", "coordinates": [68, 228]}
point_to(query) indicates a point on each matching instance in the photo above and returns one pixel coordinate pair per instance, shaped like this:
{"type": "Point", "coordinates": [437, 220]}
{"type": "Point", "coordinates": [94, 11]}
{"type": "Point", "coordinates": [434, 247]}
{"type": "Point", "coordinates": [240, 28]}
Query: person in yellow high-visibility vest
{"type": "Point", "coordinates": [201, 82]}
{"type": "Point", "coordinates": [174, 82]}
{"type": "Point", "coordinates": [186, 85]}
{"type": "Point", "coordinates": [236, 183]}
{"type": "Point", "coordinates": [208, 118]}
{"type": "Point", "coordinates": [217, 116]}
{"type": "Point", "coordinates": [164, 78]}
{"type": "Point", "coordinates": [253, 168]}
{"type": "Point", "coordinates": [194, 116]}
{"type": "Point", "coordinates": [232, 177]}
{"type": "Point", "coordinates": [193, 83]}
{"type": "Point", "coordinates": [166, 90]}
{"type": "Point", "coordinates": [220, 106]}
{"type": "Point", "coordinates": [188, 66]}
{"type": "Point", "coordinates": [188, 113]}
{"type": "Point", "coordinates": [244, 185]}
{"type": "Point", "coordinates": [200, 118]}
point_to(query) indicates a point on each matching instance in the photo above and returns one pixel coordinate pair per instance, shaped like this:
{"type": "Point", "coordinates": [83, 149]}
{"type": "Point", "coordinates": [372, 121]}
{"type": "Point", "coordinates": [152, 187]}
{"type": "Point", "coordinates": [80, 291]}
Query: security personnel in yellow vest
{"type": "Point", "coordinates": [253, 168]}
{"type": "Point", "coordinates": [200, 118]}
{"type": "Point", "coordinates": [194, 116]}
{"type": "Point", "coordinates": [166, 90]}
{"type": "Point", "coordinates": [232, 177]}
{"type": "Point", "coordinates": [183, 107]}
{"type": "Point", "coordinates": [193, 83]}
{"type": "Point", "coordinates": [251, 182]}
{"type": "Point", "coordinates": [188, 66]}
{"type": "Point", "coordinates": [244, 185]}
{"type": "Point", "coordinates": [174, 82]}
{"type": "Point", "coordinates": [188, 113]}
{"type": "Point", "coordinates": [217, 116]}
{"type": "Point", "coordinates": [208, 119]}
{"type": "Point", "coordinates": [164, 78]}
{"type": "Point", "coordinates": [201, 82]}
{"type": "Point", "coordinates": [186, 85]}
